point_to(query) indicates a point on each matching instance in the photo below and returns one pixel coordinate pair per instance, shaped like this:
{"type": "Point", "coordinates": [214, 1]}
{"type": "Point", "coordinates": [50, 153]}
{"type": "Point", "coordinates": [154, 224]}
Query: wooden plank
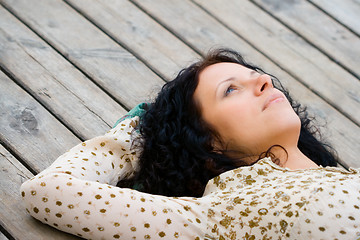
{"type": "Point", "coordinates": [320, 29]}
{"type": "Point", "coordinates": [13, 216]}
{"type": "Point", "coordinates": [137, 31]}
{"type": "Point", "coordinates": [202, 32]}
{"type": "Point", "coordinates": [59, 86]}
{"type": "Point", "coordinates": [28, 129]}
{"type": "Point", "coordinates": [199, 30]}
{"type": "Point", "coordinates": [345, 11]}
{"type": "Point", "coordinates": [2, 236]}
{"type": "Point", "coordinates": [111, 66]}
{"type": "Point", "coordinates": [292, 53]}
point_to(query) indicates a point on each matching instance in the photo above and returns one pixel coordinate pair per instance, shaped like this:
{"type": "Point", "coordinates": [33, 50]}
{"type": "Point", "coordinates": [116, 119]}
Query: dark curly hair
{"type": "Point", "coordinates": [177, 154]}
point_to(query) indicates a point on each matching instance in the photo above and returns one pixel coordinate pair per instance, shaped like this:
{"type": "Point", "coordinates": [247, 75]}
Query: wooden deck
{"type": "Point", "coordinates": [69, 69]}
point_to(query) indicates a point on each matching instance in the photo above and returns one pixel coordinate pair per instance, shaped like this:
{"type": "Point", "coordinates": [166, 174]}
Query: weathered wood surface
{"type": "Point", "coordinates": [141, 34]}
{"type": "Point", "coordinates": [2, 236]}
{"type": "Point", "coordinates": [333, 39]}
{"type": "Point", "coordinates": [54, 81]}
{"type": "Point", "coordinates": [73, 67]}
{"type": "Point", "coordinates": [29, 130]}
{"type": "Point", "coordinates": [107, 63]}
{"type": "Point", "coordinates": [345, 11]}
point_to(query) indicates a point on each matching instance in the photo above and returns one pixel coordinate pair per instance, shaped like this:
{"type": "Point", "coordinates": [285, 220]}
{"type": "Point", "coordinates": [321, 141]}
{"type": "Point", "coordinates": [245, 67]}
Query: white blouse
{"type": "Point", "coordinates": [77, 194]}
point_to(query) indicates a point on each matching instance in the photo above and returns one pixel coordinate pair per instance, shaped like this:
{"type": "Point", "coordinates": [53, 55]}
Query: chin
{"type": "Point", "coordinates": [287, 125]}
{"type": "Point", "coordinates": [284, 116]}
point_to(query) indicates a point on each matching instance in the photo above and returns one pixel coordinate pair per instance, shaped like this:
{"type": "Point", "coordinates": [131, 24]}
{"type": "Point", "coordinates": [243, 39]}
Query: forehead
{"type": "Point", "coordinates": [221, 71]}
{"type": "Point", "coordinates": [212, 75]}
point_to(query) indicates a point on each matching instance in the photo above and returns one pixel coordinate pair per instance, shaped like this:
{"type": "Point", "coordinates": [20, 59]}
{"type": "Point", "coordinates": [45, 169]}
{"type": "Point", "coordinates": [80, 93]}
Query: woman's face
{"type": "Point", "coordinates": [244, 108]}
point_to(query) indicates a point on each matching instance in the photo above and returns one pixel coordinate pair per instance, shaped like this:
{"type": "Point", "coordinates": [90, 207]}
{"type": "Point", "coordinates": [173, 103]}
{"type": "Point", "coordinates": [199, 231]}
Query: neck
{"type": "Point", "coordinates": [297, 160]}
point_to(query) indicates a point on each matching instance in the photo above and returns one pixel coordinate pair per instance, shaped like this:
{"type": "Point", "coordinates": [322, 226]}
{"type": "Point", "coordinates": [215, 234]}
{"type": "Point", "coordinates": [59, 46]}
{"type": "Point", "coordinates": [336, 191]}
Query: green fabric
{"type": "Point", "coordinates": [138, 110]}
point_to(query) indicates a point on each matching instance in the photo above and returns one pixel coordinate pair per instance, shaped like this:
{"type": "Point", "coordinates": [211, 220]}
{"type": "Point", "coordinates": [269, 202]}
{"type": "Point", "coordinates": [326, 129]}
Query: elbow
{"type": "Point", "coordinates": [26, 188]}
{"type": "Point", "coordinates": [28, 191]}
{"type": "Point", "coordinates": [33, 193]}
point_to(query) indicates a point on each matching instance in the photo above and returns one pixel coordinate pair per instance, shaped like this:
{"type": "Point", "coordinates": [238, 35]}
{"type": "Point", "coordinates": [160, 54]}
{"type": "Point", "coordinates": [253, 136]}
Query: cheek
{"type": "Point", "coordinates": [234, 121]}
{"type": "Point", "coordinates": [246, 127]}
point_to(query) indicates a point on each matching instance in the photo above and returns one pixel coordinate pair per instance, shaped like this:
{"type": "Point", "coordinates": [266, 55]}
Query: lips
{"type": "Point", "coordinates": [277, 97]}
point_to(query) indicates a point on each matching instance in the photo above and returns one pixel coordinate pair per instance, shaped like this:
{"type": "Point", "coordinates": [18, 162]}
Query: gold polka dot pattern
{"type": "Point", "coordinates": [77, 194]}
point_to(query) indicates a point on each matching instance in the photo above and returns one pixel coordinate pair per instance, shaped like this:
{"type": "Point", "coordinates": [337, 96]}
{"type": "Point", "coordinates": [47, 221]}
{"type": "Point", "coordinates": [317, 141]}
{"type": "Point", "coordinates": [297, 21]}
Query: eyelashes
{"type": "Point", "coordinates": [229, 89]}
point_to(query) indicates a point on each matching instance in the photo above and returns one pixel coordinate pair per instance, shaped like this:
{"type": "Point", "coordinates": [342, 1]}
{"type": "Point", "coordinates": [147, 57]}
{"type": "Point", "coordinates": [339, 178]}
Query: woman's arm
{"type": "Point", "coordinates": [76, 194]}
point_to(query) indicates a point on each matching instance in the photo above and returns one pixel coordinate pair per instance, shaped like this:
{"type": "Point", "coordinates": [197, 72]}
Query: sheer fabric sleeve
{"type": "Point", "coordinates": [76, 195]}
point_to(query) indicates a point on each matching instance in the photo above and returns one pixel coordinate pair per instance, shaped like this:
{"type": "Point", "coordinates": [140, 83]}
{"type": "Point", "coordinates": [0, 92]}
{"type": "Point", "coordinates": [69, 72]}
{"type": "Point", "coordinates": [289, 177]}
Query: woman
{"type": "Point", "coordinates": [228, 154]}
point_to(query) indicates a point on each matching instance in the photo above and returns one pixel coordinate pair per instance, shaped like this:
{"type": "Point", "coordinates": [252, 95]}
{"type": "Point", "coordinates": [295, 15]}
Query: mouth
{"type": "Point", "coordinates": [274, 98]}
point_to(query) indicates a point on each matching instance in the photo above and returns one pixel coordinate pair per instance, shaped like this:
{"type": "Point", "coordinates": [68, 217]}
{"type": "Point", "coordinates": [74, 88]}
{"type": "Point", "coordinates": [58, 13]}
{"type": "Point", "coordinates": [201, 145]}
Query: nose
{"type": "Point", "coordinates": [263, 82]}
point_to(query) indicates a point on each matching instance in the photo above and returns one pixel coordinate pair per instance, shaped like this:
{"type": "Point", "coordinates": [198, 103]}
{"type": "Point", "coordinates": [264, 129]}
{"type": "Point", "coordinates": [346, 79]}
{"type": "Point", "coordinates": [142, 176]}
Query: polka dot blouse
{"type": "Point", "coordinates": [77, 194]}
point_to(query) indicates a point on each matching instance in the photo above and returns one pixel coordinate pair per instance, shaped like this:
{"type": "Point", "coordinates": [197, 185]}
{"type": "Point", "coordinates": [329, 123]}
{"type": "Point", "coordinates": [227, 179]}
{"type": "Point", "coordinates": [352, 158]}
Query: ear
{"type": "Point", "coordinates": [218, 145]}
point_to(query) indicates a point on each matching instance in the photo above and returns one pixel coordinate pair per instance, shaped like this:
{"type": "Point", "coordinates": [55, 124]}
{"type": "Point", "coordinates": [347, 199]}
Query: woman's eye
{"type": "Point", "coordinates": [229, 90]}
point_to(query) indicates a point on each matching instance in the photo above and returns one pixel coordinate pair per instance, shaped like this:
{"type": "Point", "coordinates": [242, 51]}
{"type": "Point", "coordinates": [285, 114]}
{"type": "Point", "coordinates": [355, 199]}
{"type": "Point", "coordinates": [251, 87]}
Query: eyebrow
{"type": "Point", "coordinates": [224, 81]}
{"type": "Point", "coordinates": [232, 79]}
